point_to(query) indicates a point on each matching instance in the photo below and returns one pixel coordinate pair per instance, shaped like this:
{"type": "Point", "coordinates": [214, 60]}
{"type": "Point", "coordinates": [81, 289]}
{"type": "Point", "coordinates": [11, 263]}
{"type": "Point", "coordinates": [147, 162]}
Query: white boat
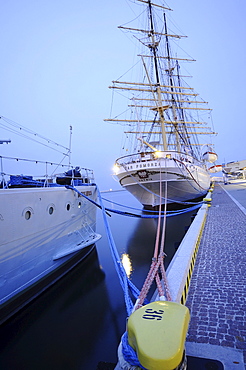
{"type": "Point", "coordinates": [234, 168]}
{"type": "Point", "coordinates": [164, 118]}
{"type": "Point", "coordinates": [209, 155]}
{"type": "Point", "coordinates": [47, 226]}
{"type": "Point", "coordinates": [216, 168]}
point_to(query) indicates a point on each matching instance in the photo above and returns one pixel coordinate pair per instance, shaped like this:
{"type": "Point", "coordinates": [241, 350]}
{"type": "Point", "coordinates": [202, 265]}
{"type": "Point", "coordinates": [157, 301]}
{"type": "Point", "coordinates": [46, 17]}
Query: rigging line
{"type": "Point", "coordinates": [112, 101]}
{"type": "Point", "coordinates": [33, 161]}
{"type": "Point", "coordinates": [177, 130]}
{"type": "Point", "coordinates": [58, 165]}
{"type": "Point", "coordinates": [118, 115]}
{"type": "Point", "coordinates": [136, 15]}
{"type": "Point", "coordinates": [181, 105]}
{"type": "Point", "coordinates": [17, 125]}
{"type": "Point", "coordinates": [27, 137]}
{"type": "Point", "coordinates": [170, 20]}
{"type": "Point", "coordinates": [174, 41]}
{"type": "Point", "coordinates": [177, 160]}
{"type": "Point", "coordinates": [128, 70]}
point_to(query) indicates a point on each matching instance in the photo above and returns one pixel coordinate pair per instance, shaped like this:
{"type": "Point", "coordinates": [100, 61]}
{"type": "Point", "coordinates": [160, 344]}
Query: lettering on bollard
{"type": "Point", "coordinates": [150, 314]}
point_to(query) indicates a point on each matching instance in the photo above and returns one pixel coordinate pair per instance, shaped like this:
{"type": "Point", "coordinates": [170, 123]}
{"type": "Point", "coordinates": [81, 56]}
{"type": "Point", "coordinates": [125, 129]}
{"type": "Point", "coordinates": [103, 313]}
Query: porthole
{"type": "Point", "coordinates": [68, 206]}
{"type": "Point", "coordinates": [79, 205]}
{"type": "Point", "coordinates": [28, 215]}
{"type": "Point", "coordinates": [51, 210]}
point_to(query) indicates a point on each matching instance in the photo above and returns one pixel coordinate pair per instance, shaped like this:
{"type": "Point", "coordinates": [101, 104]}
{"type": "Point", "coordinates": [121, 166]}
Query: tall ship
{"type": "Point", "coordinates": [47, 226]}
{"type": "Point", "coordinates": [165, 153]}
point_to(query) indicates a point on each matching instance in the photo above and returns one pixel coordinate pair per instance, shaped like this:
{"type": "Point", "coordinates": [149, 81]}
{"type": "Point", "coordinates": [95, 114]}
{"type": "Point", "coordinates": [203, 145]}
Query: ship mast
{"type": "Point", "coordinates": [172, 124]}
{"type": "Point", "coordinates": [158, 88]}
{"type": "Point", "coordinates": [170, 72]}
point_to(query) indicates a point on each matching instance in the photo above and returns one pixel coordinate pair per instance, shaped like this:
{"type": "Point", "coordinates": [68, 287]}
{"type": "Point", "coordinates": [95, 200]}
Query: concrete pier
{"type": "Point", "coordinates": [208, 275]}
{"type": "Point", "coordinates": [217, 291]}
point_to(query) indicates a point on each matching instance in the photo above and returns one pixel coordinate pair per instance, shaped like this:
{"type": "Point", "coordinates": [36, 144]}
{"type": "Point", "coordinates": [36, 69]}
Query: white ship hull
{"type": "Point", "coordinates": [186, 179]}
{"type": "Point", "coordinates": [40, 230]}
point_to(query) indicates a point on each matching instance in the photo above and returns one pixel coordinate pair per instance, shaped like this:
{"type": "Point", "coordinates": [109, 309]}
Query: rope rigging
{"type": "Point", "coordinates": [156, 272]}
{"type": "Point", "coordinates": [167, 214]}
{"type": "Point", "coordinates": [128, 287]}
{"type": "Point", "coordinates": [157, 260]}
{"type": "Point", "coordinates": [18, 129]}
{"type": "Point", "coordinates": [126, 283]}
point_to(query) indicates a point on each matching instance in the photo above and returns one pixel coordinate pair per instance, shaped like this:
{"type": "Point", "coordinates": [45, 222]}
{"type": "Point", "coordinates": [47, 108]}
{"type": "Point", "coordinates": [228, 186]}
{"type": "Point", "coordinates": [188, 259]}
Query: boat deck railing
{"type": "Point", "coordinates": [153, 155]}
{"type": "Point", "coordinates": [10, 176]}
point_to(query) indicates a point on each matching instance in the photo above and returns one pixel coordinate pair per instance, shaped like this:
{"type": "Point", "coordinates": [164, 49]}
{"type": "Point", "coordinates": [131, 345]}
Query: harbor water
{"type": "Point", "coordinates": [77, 323]}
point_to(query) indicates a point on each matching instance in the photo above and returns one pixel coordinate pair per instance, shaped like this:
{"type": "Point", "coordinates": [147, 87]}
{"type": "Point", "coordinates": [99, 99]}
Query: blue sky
{"type": "Point", "coordinates": [58, 58]}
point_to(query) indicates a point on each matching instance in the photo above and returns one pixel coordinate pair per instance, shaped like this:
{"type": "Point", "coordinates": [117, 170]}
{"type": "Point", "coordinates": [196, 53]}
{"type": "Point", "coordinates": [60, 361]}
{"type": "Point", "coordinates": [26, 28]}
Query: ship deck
{"type": "Point", "coordinates": [217, 292]}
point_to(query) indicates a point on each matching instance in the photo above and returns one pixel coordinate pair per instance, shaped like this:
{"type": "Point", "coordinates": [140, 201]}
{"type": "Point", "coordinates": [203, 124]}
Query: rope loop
{"type": "Point", "coordinates": [128, 352]}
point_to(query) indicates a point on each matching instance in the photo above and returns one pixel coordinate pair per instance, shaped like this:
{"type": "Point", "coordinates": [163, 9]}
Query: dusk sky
{"type": "Point", "coordinates": [59, 57]}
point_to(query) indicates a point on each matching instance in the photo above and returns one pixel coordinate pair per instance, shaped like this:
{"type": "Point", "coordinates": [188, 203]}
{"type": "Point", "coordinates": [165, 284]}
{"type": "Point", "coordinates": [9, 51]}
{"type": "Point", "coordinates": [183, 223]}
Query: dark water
{"type": "Point", "coordinates": [78, 322]}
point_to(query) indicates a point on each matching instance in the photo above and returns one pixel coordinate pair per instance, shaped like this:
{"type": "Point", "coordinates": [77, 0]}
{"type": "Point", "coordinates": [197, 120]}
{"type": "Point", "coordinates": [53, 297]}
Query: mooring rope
{"type": "Point", "coordinates": [126, 283]}
{"type": "Point", "coordinates": [129, 354]}
{"type": "Point", "coordinates": [157, 264]}
{"type": "Point", "coordinates": [129, 214]}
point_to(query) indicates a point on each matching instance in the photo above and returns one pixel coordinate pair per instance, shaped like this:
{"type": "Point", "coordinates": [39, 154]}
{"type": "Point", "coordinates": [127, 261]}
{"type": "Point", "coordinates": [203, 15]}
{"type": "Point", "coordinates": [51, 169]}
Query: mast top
{"type": "Point", "coordinates": [153, 4]}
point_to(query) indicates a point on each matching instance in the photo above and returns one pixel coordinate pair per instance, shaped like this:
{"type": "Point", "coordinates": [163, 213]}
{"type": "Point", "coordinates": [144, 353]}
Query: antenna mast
{"type": "Point", "coordinates": [70, 147]}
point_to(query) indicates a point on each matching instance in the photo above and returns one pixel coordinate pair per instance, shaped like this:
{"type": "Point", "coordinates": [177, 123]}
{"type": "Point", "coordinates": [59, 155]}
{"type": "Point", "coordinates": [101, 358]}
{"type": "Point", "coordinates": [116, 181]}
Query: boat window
{"type": "Point", "coordinates": [79, 205]}
{"type": "Point", "coordinates": [51, 210]}
{"type": "Point", "coordinates": [28, 215]}
{"type": "Point", "coordinates": [68, 207]}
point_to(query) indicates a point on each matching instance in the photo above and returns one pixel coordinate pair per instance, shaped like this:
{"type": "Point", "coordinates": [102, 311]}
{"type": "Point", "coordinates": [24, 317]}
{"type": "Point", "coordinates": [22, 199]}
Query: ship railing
{"type": "Point", "coordinates": [150, 156]}
{"type": "Point", "coordinates": [9, 167]}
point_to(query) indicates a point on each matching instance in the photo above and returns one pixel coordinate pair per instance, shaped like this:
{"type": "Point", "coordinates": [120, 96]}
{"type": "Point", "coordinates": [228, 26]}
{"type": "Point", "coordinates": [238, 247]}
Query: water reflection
{"type": "Point", "coordinates": [141, 243]}
{"type": "Point", "coordinates": [127, 264]}
{"type": "Point", "coordinates": [80, 320]}
{"type": "Point", "coordinates": [63, 328]}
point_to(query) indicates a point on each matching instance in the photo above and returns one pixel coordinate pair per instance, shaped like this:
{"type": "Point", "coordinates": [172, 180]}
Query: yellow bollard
{"type": "Point", "coordinates": [157, 332]}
